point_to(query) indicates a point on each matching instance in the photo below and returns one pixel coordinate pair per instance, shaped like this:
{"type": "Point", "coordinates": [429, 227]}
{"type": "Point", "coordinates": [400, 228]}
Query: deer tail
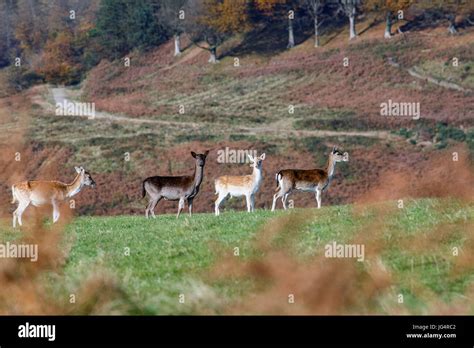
{"type": "Point", "coordinates": [277, 179]}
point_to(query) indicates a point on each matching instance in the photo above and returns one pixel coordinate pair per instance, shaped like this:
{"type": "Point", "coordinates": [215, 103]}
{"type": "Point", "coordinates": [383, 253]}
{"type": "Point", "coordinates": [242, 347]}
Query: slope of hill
{"type": "Point", "coordinates": [293, 105]}
{"type": "Point", "coordinates": [262, 87]}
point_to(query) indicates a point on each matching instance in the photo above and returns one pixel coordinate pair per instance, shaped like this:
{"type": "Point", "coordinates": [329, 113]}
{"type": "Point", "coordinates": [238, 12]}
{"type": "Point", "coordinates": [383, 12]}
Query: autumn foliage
{"type": "Point", "coordinates": [226, 16]}
{"type": "Point", "coordinates": [58, 59]}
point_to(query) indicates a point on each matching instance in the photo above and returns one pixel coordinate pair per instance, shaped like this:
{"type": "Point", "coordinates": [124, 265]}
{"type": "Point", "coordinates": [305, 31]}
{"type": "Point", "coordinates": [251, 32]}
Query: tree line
{"type": "Point", "coordinates": [60, 40]}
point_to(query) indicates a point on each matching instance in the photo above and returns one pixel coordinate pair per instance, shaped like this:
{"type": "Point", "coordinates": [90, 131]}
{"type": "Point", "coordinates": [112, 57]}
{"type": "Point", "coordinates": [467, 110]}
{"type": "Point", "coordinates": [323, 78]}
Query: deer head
{"type": "Point", "coordinates": [86, 178]}
{"type": "Point", "coordinates": [339, 156]}
{"type": "Point", "coordinates": [200, 158]}
{"type": "Point", "coordinates": [256, 162]}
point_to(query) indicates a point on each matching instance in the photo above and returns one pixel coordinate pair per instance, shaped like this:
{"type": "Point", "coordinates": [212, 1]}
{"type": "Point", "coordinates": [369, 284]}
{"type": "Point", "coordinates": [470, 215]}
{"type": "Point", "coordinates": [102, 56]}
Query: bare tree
{"type": "Point", "coordinates": [349, 7]}
{"type": "Point", "coordinates": [172, 14]}
{"type": "Point", "coordinates": [316, 8]}
{"type": "Point", "coordinates": [200, 30]}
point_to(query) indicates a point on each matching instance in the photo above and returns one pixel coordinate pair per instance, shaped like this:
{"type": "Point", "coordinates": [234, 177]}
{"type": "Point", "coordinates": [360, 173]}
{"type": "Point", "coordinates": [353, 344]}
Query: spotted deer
{"type": "Point", "coordinates": [41, 193]}
{"type": "Point", "coordinates": [311, 180]}
{"type": "Point", "coordinates": [175, 188]}
{"type": "Point", "coordinates": [237, 186]}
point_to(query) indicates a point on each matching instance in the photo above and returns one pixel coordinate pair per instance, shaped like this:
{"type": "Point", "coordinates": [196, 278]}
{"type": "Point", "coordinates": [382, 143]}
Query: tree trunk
{"type": "Point", "coordinates": [316, 31]}
{"type": "Point", "coordinates": [8, 26]}
{"type": "Point", "coordinates": [213, 55]}
{"type": "Point", "coordinates": [353, 32]}
{"type": "Point", "coordinates": [452, 24]}
{"type": "Point", "coordinates": [177, 45]}
{"type": "Point", "coordinates": [291, 38]}
{"type": "Point", "coordinates": [388, 26]}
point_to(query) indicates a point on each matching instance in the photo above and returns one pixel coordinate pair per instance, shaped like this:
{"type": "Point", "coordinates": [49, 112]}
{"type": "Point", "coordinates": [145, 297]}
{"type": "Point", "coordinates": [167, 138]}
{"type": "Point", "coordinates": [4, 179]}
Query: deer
{"type": "Point", "coordinates": [237, 186]}
{"type": "Point", "coordinates": [309, 180]}
{"type": "Point", "coordinates": [175, 188]}
{"type": "Point", "coordinates": [40, 193]}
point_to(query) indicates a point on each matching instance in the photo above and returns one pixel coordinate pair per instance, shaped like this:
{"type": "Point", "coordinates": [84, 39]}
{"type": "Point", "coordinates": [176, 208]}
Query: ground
{"type": "Point", "coordinates": [149, 263]}
{"type": "Point", "coordinates": [247, 107]}
{"type": "Point", "coordinates": [408, 251]}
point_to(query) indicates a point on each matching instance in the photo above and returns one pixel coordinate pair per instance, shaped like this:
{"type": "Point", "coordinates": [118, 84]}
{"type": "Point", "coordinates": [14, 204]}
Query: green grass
{"type": "Point", "coordinates": [442, 70]}
{"type": "Point", "coordinates": [168, 257]}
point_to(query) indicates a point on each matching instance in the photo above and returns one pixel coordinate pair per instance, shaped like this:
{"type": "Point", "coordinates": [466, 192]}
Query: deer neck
{"type": "Point", "coordinates": [331, 166]}
{"type": "Point", "coordinates": [257, 175]}
{"type": "Point", "coordinates": [74, 187]}
{"type": "Point", "coordinates": [198, 175]}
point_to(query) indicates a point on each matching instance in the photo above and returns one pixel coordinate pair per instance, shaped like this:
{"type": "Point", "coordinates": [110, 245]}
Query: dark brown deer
{"type": "Point", "coordinates": [310, 180]}
{"type": "Point", "coordinates": [175, 188]}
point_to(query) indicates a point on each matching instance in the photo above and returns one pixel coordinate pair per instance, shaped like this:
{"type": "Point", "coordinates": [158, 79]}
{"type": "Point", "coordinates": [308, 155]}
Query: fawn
{"type": "Point", "coordinates": [236, 186]}
{"type": "Point", "coordinates": [41, 193]}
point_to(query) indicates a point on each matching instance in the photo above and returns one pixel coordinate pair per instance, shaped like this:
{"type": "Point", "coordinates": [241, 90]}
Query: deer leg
{"type": "Point", "coordinates": [219, 200]}
{"type": "Point", "coordinates": [150, 208]}
{"type": "Point", "coordinates": [15, 216]}
{"type": "Point", "coordinates": [147, 209]}
{"type": "Point", "coordinates": [190, 206]}
{"type": "Point", "coordinates": [283, 199]}
{"type": "Point", "coordinates": [19, 212]}
{"type": "Point", "coordinates": [318, 198]}
{"type": "Point", "coordinates": [180, 206]}
{"type": "Point", "coordinates": [249, 204]}
{"type": "Point", "coordinates": [252, 202]}
{"type": "Point", "coordinates": [153, 205]}
{"type": "Point", "coordinates": [55, 212]}
{"type": "Point", "coordinates": [275, 197]}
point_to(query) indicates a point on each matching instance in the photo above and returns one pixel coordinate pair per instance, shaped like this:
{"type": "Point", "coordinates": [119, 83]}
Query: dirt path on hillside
{"type": "Point", "coordinates": [419, 75]}
{"type": "Point", "coordinates": [61, 95]}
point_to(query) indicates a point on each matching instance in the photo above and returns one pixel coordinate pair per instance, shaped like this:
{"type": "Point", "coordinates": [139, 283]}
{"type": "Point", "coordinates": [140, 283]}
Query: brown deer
{"type": "Point", "coordinates": [311, 180]}
{"type": "Point", "coordinates": [175, 188]}
{"type": "Point", "coordinates": [236, 186]}
{"type": "Point", "coordinates": [40, 193]}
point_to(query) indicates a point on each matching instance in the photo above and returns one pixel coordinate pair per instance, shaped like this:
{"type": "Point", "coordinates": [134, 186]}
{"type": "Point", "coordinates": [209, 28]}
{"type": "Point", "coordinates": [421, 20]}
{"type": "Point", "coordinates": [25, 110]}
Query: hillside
{"type": "Point", "coordinates": [247, 107]}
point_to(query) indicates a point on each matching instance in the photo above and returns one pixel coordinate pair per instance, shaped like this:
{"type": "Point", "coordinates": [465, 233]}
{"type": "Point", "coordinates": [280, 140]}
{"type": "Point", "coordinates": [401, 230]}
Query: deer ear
{"type": "Point", "coordinates": [250, 158]}
{"type": "Point", "coordinates": [193, 154]}
{"type": "Point", "coordinates": [262, 157]}
{"type": "Point", "coordinates": [334, 148]}
{"type": "Point", "coordinates": [206, 153]}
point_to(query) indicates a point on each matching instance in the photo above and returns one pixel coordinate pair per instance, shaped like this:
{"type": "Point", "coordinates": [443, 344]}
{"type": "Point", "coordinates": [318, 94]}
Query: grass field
{"type": "Point", "coordinates": [422, 252]}
{"type": "Point", "coordinates": [294, 105]}
{"type": "Point", "coordinates": [155, 261]}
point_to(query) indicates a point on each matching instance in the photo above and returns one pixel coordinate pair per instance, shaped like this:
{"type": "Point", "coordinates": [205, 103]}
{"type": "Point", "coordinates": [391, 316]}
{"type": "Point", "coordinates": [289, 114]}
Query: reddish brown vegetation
{"type": "Point", "coordinates": [320, 285]}
{"type": "Point", "coordinates": [23, 290]}
{"type": "Point", "coordinates": [397, 174]}
{"type": "Point", "coordinates": [362, 87]}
